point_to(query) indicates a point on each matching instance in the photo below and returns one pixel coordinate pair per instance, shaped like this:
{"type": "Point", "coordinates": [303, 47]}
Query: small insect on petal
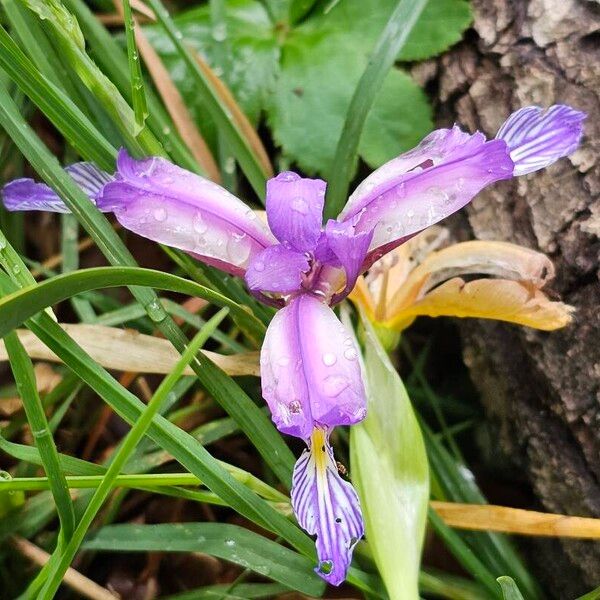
{"type": "Point", "coordinates": [328, 507]}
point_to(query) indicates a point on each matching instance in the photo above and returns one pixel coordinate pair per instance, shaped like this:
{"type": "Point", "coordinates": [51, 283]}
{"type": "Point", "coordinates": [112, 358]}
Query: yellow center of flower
{"type": "Point", "coordinates": [318, 443]}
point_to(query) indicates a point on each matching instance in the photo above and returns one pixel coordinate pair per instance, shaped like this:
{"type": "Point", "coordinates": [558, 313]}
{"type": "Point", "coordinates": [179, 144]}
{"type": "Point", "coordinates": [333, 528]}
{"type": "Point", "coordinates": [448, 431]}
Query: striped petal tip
{"type": "Point", "coordinates": [326, 506]}
{"type": "Point", "coordinates": [537, 138]}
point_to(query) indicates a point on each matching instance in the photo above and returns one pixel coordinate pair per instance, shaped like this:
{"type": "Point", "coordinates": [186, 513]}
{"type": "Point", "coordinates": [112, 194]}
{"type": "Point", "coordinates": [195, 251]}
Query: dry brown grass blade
{"type": "Point", "coordinates": [129, 350]}
{"type": "Point", "coordinates": [488, 517]}
{"type": "Point", "coordinates": [184, 123]}
{"type": "Point", "coordinates": [238, 115]}
{"type": "Point", "coordinates": [74, 579]}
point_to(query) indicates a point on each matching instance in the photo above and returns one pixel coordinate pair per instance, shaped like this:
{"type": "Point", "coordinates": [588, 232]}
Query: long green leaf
{"type": "Point", "coordinates": [390, 43]}
{"type": "Point", "coordinates": [391, 474]}
{"type": "Point", "coordinates": [23, 304]}
{"type": "Point", "coordinates": [229, 542]}
{"type": "Point", "coordinates": [56, 105]}
{"type": "Point", "coordinates": [510, 591]}
{"type": "Point", "coordinates": [24, 375]}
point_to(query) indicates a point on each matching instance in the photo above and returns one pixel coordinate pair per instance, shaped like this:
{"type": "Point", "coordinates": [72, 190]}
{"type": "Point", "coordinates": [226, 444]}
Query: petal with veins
{"type": "Point", "coordinates": [277, 269]}
{"type": "Point", "coordinates": [158, 200]}
{"type": "Point", "coordinates": [326, 506]}
{"type": "Point", "coordinates": [295, 209]}
{"type": "Point", "coordinates": [537, 137]}
{"type": "Point", "coordinates": [448, 169]}
{"type": "Point", "coordinates": [27, 194]}
{"type": "Point", "coordinates": [310, 369]}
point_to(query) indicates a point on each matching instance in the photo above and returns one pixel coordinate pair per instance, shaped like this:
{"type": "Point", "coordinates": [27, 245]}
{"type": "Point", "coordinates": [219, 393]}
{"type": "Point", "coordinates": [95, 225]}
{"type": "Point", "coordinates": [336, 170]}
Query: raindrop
{"type": "Point", "coordinates": [283, 361]}
{"type": "Point", "coordinates": [350, 354]}
{"type": "Point", "coordinates": [238, 248]}
{"type": "Point", "coordinates": [160, 214]}
{"type": "Point", "coordinates": [259, 266]}
{"type": "Point", "coordinates": [230, 543]}
{"type": "Point", "coordinates": [219, 32]}
{"type": "Point", "coordinates": [329, 359]}
{"type": "Point", "coordinates": [155, 311]}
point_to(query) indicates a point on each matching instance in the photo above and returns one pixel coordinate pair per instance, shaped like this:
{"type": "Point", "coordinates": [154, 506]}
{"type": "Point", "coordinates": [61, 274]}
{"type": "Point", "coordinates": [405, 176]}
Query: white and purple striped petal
{"type": "Point", "coordinates": [295, 210]}
{"type": "Point", "coordinates": [27, 194]}
{"type": "Point", "coordinates": [326, 506]}
{"type": "Point", "coordinates": [537, 137]}
{"type": "Point", "coordinates": [310, 370]}
{"type": "Point", "coordinates": [165, 203]}
{"type": "Point", "coordinates": [277, 269]}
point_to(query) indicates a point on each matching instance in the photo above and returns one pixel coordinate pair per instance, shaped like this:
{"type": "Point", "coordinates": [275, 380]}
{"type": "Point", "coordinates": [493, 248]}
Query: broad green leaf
{"type": "Point", "coordinates": [510, 590]}
{"type": "Point", "coordinates": [227, 591]}
{"type": "Point", "coordinates": [229, 542]}
{"type": "Point", "coordinates": [390, 471]}
{"type": "Point", "coordinates": [385, 135]}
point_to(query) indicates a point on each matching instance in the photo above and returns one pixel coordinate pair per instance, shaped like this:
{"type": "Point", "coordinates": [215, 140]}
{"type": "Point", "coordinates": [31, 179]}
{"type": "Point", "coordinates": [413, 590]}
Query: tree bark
{"type": "Point", "coordinates": [541, 391]}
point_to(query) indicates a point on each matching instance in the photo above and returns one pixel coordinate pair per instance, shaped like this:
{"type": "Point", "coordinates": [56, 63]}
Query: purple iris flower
{"type": "Point", "coordinates": [310, 367]}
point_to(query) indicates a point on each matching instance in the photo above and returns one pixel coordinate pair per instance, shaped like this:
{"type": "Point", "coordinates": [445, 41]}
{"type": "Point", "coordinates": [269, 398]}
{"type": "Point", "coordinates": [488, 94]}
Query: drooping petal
{"type": "Point", "coordinates": [453, 168]}
{"type": "Point", "coordinates": [537, 137]}
{"type": "Point", "coordinates": [277, 269]}
{"type": "Point", "coordinates": [27, 194]}
{"type": "Point", "coordinates": [350, 249]}
{"type": "Point", "coordinates": [295, 209]}
{"type": "Point", "coordinates": [326, 506]}
{"type": "Point", "coordinates": [497, 299]}
{"type": "Point", "coordinates": [165, 203]}
{"type": "Point", "coordinates": [477, 257]}
{"type": "Point", "coordinates": [310, 369]}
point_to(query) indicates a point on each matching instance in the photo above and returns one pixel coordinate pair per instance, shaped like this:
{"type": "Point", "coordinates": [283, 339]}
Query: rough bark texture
{"type": "Point", "coordinates": [541, 390]}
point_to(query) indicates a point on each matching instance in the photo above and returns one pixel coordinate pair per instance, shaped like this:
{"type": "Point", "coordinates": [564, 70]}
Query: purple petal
{"type": "Point", "coordinates": [295, 209]}
{"type": "Point", "coordinates": [537, 137]}
{"type": "Point", "coordinates": [277, 269]}
{"type": "Point", "coordinates": [448, 169]}
{"type": "Point", "coordinates": [26, 194]}
{"type": "Point", "coordinates": [165, 203]}
{"type": "Point", "coordinates": [310, 369]}
{"type": "Point", "coordinates": [326, 506]}
{"type": "Point", "coordinates": [350, 249]}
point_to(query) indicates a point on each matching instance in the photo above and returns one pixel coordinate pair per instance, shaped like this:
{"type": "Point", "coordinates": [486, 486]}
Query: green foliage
{"type": "Point", "coordinates": [390, 471]}
{"type": "Point", "coordinates": [510, 591]}
{"type": "Point", "coordinates": [302, 71]}
{"type": "Point", "coordinates": [232, 543]}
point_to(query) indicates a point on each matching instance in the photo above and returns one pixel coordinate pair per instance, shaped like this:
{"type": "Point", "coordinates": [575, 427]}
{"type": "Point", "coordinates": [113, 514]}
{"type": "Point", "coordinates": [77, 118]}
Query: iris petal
{"type": "Point", "coordinates": [27, 194]}
{"type": "Point", "coordinates": [326, 506]}
{"type": "Point", "coordinates": [310, 369]}
{"type": "Point", "coordinates": [158, 200]}
{"type": "Point", "coordinates": [537, 137]}
{"type": "Point", "coordinates": [295, 210]}
{"type": "Point", "coordinates": [277, 269]}
{"type": "Point", "coordinates": [448, 169]}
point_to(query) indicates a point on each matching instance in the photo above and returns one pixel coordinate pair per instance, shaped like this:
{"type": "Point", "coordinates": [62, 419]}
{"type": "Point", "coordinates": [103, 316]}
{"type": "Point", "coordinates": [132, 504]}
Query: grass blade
{"type": "Point", "coordinates": [140, 107]}
{"type": "Point", "coordinates": [384, 54]}
{"type": "Point", "coordinates": [24, 376]}
{"type": "Point", "coordinates": [222, 540]}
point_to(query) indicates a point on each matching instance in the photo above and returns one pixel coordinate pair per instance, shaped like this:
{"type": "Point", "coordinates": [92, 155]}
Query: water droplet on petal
{"type": "Point", "coordinates": [283, 361]}
{"type": "Point", "coordinates": [160, 214]}
{"type": "Point", "coordinates": [259, 266]}
{"type": "Point", "coordinates": [350, 354]}
{"type": "Point", "coordinates": [329, 359]}
{"type": "Point", "coordinates": [238, 248]}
